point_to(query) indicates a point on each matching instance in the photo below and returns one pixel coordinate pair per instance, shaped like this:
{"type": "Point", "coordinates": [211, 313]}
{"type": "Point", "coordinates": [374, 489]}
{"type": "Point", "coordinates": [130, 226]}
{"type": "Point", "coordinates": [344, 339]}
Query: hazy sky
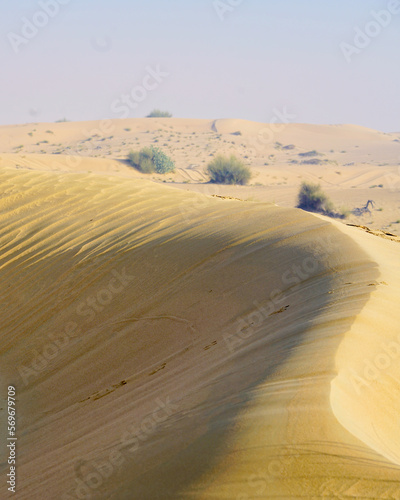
{"type": "Point", "coordinates": [251, 59]}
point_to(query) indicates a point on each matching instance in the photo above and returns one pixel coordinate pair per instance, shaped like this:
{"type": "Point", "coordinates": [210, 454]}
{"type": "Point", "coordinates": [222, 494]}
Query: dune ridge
{"type": "Point", "coordinates": [352, 164]}
{"type": "Point", "coordinates": [187, 346]}
{"type": "Point", "coordinates": [367, 360]}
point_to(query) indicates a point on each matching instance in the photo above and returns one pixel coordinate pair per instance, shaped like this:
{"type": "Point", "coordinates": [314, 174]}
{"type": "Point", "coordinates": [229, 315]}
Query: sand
{"type": "Point", "coordinates": [356, 164]}
{"type": "Point", "coordinates": [167, 344]}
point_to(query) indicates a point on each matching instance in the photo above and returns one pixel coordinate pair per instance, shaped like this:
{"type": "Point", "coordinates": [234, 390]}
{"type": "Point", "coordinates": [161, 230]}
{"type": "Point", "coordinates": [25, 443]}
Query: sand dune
{"type": "Point", "coordinates": [165, 344]}
{"type": "Point", "coordinates": [353, 163]}
{"type": "Point", "coordinates": [367, 360]}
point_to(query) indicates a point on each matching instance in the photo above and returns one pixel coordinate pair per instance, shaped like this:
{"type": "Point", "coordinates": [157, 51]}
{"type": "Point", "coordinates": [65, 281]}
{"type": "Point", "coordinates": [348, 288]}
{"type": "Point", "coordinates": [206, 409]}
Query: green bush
{"type": "Point", "coordinates": [223, 170]}
{"type": "Point", "coordinates": [150, 160]}
{"type": "Point", "coordinates": [163, 163]}
{"type": "Point", "coordinates": [157, 113]}
{"type": "Point", "coordinates": [312, 198]}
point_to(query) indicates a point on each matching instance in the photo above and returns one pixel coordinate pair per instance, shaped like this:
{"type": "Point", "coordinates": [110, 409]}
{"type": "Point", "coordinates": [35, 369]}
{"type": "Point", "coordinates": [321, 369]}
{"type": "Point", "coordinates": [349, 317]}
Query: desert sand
{"type": "Point", "coordinates": [355, 164]}
{"type": "Point", "coordinates": [167, 343]}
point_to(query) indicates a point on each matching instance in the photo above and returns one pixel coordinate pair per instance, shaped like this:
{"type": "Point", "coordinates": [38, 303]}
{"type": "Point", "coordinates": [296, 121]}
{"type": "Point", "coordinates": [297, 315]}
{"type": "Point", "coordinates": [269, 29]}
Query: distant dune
{"type": "Point", "coordinates": [353, 164]}
{"type": "Point", "coordinates": [167, 344]}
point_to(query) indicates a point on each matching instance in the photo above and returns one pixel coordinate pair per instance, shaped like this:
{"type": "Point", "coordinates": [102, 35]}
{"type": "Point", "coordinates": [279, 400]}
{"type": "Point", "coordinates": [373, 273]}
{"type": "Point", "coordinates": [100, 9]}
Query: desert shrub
{"type": "Point", "coordinates": [344, 212]}
{"type": "Point", "coordinates": [312, 161]}
{"type": "Point", "coordinates": [157, 113]}
{"type": "Point", "coordinates": [309, 154]}
{"type": "Point", "coordinates": [162, 162]}
{"type": "Point", "coordinates": [142, 160]}
{"type": "Point", "coordinates": [149, 160]}
{"type": "Point", "coordinates": [223, 170]}
{"type": "Point", "coordinates": [312, 198]}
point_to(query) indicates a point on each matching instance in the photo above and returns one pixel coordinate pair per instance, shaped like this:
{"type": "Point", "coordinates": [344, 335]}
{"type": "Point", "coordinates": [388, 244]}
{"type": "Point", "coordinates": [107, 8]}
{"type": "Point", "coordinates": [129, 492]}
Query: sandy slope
{"type": "Point", "coordinates": [368, 358]}
{"type": "Point", "coordinates": [355, 163]}
{"type": "Point", "coordinates": [168, 345]}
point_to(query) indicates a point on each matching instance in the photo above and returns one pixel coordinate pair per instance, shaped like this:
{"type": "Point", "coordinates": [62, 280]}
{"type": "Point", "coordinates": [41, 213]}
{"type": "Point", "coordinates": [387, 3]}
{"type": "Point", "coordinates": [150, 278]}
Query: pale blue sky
{"type": "Point", "coordinates": [265, 55]}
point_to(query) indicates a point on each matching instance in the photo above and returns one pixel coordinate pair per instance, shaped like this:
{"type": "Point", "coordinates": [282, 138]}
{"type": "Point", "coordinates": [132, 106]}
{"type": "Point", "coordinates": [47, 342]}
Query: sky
{"type": "Point", "coordinates": [304, 61]}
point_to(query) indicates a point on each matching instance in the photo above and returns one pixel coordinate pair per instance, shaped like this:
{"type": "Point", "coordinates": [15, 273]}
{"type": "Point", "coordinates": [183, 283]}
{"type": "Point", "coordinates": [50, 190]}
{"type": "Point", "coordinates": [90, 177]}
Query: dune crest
{"type": "Point", "coordinates": [363, 393]}
{"type": "Point", "coordinates": [186, 343]}
{"type": "Point", "coordinates": [352, 164]}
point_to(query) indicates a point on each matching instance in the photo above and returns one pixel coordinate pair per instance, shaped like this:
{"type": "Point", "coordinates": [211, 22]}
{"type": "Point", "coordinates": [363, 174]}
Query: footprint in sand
{"type": "Point", "coordinates": [105, 392]}
{"type": "Point", "coordinates": [158, 369]}
{"type": "Point", "coordinates": [209, 346]}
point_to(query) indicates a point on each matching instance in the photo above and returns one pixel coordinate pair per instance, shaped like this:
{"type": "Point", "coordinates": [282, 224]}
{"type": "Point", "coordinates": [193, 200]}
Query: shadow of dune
{"type": "Point", "coordinates": [214, 308]}
{"type": "Point", "coordinates": [198, 438]}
